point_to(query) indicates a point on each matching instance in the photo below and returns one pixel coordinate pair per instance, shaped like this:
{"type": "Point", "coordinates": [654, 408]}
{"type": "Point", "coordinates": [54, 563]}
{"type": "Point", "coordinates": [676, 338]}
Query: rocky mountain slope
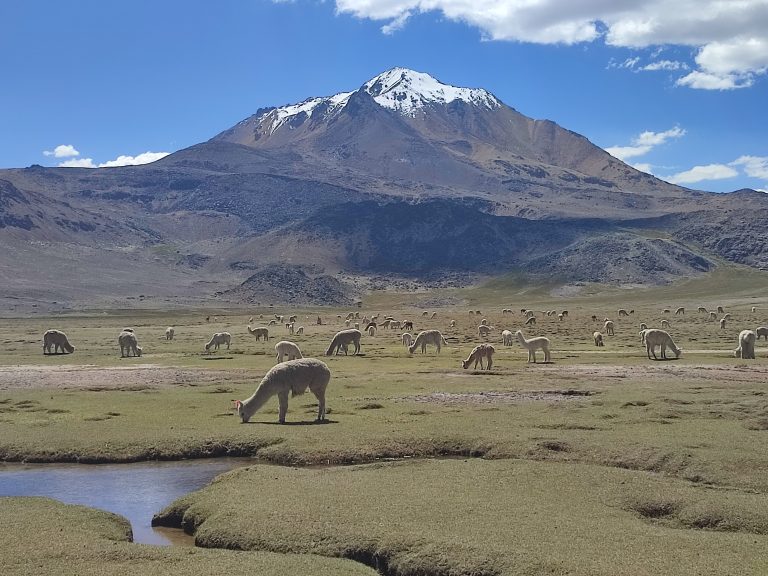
{"type": "Point", "coordinates": [404, 177]}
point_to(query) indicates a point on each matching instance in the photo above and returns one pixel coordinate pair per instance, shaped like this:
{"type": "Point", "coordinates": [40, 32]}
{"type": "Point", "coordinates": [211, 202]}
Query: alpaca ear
{"type": "Point", "coordinates": [238, 404]}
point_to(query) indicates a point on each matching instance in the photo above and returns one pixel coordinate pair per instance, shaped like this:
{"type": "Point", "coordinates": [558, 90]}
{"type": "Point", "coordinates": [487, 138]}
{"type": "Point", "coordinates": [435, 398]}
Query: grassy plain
{"type": "Point", "coordinates": [600, 459]}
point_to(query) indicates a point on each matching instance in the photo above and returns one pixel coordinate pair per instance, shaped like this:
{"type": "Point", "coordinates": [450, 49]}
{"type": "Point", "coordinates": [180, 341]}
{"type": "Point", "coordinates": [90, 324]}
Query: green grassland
{"type": "Point", "coordinates": [601, 462]}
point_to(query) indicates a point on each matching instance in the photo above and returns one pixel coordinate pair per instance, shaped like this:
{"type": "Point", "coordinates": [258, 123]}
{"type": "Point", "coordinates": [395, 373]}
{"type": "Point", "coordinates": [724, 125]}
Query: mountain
{"type": "Point", "coordinates": [405, 179]}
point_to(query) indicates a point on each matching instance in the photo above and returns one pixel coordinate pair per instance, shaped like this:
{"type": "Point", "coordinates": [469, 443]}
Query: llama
{"type": "Point", "coordinates": [425, 337]}
{"type": "Point", "coordinates": [128, 344]}
{"type": "Point", "coordinates": [343, 339]}
{"type": "Point", "coordinates": [287, 349]}
{"type": "Point", "coordinates": [169, 333]}
{"type": "Point", "coordinates": [506, 338]}
{"type": "Point", "coordinates": [654, 337]}
{"type": "Point", "coordinates": [294, 376]}
{"type": "Point", "coordinates": [217, 339]}
{"type": "Point", "coordinates": [598, 337]}
{"type": "Point", "coordinates": [680, 310]}
{"type": "Point", "coordinates": [478, 353]}
{"type": "Point", "coordinates": [407, 339]}
{"type": "Point", "coordinates": [746, 347]}
{"type": "Point", "coordinates": [608, 327]}
{"type": "Point", "coordinates": [57, 339]}
{"type": "Point", "coordinates": [259, 333]}
{"type": "Point", "coordinates": [762, 331]}
{"type": "Point", "coordinates": [534, 344]}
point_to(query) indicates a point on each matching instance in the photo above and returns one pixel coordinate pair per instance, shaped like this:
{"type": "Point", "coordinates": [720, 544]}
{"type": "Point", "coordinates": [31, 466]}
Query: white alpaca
{"type": "Point", "coordinates": [720, 310]}
{"type": "Point", "coordinates": [259, 333]}
{"type": "Point", "coordinates": [290, 328]}
{"type": "Point", "coordinates": [407, 339]}
{"type": "Point", "coordinates": [292, 318]}
{"type": "Point", "coordinates": [287, 350]}
{"type": "Point", "coordinates": [506, 338]}
{"type": "Point", "coordinates": [483, 330]}
{"type": "Point", "coordinates": [300, 331]}
{"type": "Point", "coordinates": [712, 316]}
{"type": "Point", "coordinates": [293, 377]}
{"type": "Point", "coordinates": [534, 344]}
{"type": "Point", "coordinates": [483, 322]}
{"type": "Point", "coordinates": [425, 337]}
{"type": "Point", "coordinates": [272, 323]}
{"type": "Point", "coordinates": [654, 337]}
{"type": "Point", "coordinates": [128, 344]}
{"type": "Point", "coordinates": [531, 321]}
{"type": "Point", "coordinates": [754, 309]}
{"type": "Point", "coordinates": [343, 339]}
{"type": "Point", "coordinates": [371, 330]}
{"type": "Point", "coordinates": [643, 326]}
{"type": "Point", "coordinates": [434, 315]}
{"type": "Point", "coordinates": [722, 323]}
{"type": "Point", "coordinates": [608, 327]}
{"type": "Point", "coordinates": [762, 331]}
{"type": "Point", "coordinates": [680, 310]}
{"type": "Point", "coordinates": [169, 333]}
{"type": "Point", "coordinates": [560, 317]}
{"type": "Point", "coordinates": [702, 309]}
{"type": "Point", "coordinates": [217, 340]}
{"type": "Point", "coordinates": [598, 339]}
{"type": "Point", "coordinates": [665, 323]}
{"type": "Point", "coordinates": [57, 339]}
{"type": "Point", "coordinates": [642, 335]}
{"type": "Point", "coordinates": [453, 324]}
{"type": "Point", "coordinates": [746, 347]}
{"type": "Point", "coordinates": [478, 353]}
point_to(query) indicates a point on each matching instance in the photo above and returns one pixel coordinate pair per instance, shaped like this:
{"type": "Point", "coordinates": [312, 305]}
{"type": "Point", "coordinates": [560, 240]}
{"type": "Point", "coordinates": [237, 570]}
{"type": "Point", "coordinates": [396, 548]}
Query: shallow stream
{"type": "Point", "coordinates": [135, 491]}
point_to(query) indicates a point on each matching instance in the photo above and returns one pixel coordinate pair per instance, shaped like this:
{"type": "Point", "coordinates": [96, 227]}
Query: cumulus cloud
{"type": "Point", "coordinates": [62, 151]}
{"type": "Point", "coordinates": [644, 143]}
{"type": "Point", "coordinates": [700, 173]}
{"type": "Point", "coordinates": [123, 160]}
{"type": "Point", "coordinates": [731, 36]}
{"type": "Point", "coordinates": [643, 167]}
{"type": "Point", "coordinates": [754, 166]}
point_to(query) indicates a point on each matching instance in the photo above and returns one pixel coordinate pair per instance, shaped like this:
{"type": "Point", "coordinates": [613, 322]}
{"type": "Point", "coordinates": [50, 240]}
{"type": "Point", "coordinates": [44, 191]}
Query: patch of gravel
{"type": "Point", "coordinates": [497, 397]}
{"type": "Point", "coordinates": [136, 377]}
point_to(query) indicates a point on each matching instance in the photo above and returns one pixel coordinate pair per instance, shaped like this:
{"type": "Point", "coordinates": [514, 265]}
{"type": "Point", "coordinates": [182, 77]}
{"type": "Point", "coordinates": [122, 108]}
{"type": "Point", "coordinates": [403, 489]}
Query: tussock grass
{"type": "Point", "coordinates": [42, 536]}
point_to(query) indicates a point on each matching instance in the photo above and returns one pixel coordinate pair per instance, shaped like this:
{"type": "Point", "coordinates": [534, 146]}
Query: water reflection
{"type": "Point", "coordinates": [135, 491]}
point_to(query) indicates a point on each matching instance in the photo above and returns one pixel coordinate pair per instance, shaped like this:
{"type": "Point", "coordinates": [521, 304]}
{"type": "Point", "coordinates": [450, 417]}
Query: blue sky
{"type": "Point", "coordinates": [675, 87]}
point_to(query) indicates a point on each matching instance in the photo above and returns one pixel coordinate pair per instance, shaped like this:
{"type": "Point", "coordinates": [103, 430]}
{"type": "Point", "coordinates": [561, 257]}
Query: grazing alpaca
{"type": "Point", "coordinates": [434, 315]}
{"type": "Point", "coordinates": [294, 376]}
{"type": "Point", "coordinates": [642, 335]}
{"type": "Point", "coordinates": [408, 325]}
{"type": "Point", "coordinates": [484, 322]}
{"type": "Point", "coordinates": [407, 339]}
{"type": "Point", "coordinates": [754, 308]}
{"type": "Point", "coordinates": [128, 344]}
{"type": "Point", "coordinates": [288, 350]}
{"type": "Point", "coordinates": [722, 323]}
{"type": "Point", "coordinates": [259, 333]}
{"type": "Point", "coordinates": [762, 331]}
{"type": "Point", "coordinates": [680, 310]}
{"type": "Point", "coordinates": [598, 339]}
{"type": "Point", "coordinates": [702, 309]}
{"type": "Point", "coordinates": [343, 339]}
{"type": "Point", "coordinates": [665, 323]}
{"type": "Point", "coordinates": [477, 355]}
{"type": "Point", "coordinates": [300, 331]}
{"type": "Point", "coordinates": [425, 337]}
{"type": "Point", "coordinates": [57, 339]}
{"type": "Point", "coordinates": [720, 310]}
{"type": "Point", "coordinates": [534, 344]}
{"type": "Point", "coordinates": [169, 333]}
{"type": "Point", "coordinates": [643, 326]}
{"type": "Point", "coordinates": [506, 338]}
{"type": "Point", "coordinates": [531, 321]}
{"type": "Point", "coordinates": [608, 327]}
{"type": "Point", "coordinates": [560, 317]}
{"type": "Point", "coordinates": [622, 312]}
{"type": "Point", "coordinates": [712, 316]}
{"type": "Point", "coordinates": [746, 347]}
{"type": "Point", "coordinates": [654, 337]}
{"type": "Point", "coordinates": [666, 311]}
{"type": "Point", "coordinates": [483, 330]}
{"type": "Point", "coordinates": [565, 313]}
{"type": "Point", "coordinates": [217, 339]}
{"type": "Point", "coordinates": [371, 330]}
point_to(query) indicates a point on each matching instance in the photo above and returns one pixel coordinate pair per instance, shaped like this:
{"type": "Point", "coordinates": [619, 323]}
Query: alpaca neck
{"type": "Point", "coordinates": [256, 401]}
{"type": "Point", "coordinates": [522, 340]}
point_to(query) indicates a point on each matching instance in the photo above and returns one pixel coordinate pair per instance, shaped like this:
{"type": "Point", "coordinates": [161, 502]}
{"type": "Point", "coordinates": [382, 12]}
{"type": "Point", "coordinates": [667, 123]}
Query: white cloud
{"type": "Point", "coordinates": [62, 151]}
{"type": "Point", "coordinates": [78, 163]}
{"type": "Point", "coordinates": [665, 65]}
{"type": "Point", "coordinates": [731, 36]}
{"type": "Point", "coordinates": [644, 143]}
{"type": "Point", "coordinates": [144, 158]}
{"type": "Point", "coordinates": [643, 167]}
{"type": "Point", "coordinates": [700, 173]}
{"type": "Point", "coordinates": [754, 166]}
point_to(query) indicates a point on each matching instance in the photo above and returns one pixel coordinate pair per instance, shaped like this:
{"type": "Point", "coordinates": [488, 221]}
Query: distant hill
{"type": "Point", "coordinates": [404, 177]}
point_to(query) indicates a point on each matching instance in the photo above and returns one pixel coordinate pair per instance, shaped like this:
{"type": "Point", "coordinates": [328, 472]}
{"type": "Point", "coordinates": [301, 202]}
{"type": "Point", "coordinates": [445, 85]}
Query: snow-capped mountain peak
{"type": "Point", "coordinates": [399, 89]}
{"type": "Point", "coordinates": [407, 91]}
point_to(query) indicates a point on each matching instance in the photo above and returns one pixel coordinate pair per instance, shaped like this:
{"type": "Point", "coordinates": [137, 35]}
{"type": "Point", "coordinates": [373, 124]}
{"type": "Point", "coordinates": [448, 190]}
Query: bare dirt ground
{"type": "Point", "coordinates": [136, 377]}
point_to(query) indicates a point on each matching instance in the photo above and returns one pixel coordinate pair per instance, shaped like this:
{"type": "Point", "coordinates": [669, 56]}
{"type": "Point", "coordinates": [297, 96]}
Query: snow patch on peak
{"type": "Point", "coordinates": [407, 91]}
{"type": "Point", "coordinates": [276, 117]}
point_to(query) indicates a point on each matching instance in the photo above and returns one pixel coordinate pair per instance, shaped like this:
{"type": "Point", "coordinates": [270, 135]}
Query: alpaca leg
{"type": "Point", "coordinates": [490, 362]}
{"type": "Point", "coordinates": [319, 393]}
{"type": "Point", "coordinates": [357, 347]}
{"type": "Point", "coordinates": [546, 354]}
{"type": "Point", "coordinates": [282, 398]}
